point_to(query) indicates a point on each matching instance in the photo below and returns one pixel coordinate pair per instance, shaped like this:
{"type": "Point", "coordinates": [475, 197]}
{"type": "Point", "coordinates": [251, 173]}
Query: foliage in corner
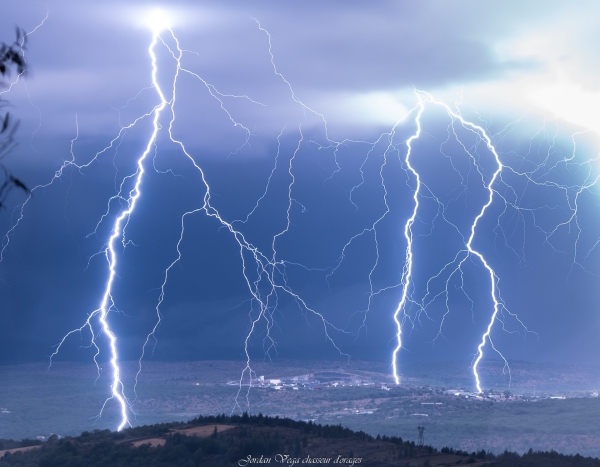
{"type": "Point", "coordinates": [11, 59]}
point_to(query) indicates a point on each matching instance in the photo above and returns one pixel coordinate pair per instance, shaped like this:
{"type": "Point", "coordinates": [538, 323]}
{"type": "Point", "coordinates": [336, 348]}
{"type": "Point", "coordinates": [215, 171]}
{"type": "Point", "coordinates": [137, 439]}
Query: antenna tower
{"type": "Point", "coordinates": [420, 441]}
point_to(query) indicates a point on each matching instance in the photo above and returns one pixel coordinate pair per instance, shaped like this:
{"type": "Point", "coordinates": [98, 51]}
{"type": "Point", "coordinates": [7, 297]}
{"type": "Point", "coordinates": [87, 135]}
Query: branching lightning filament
{"type": "Point", "coordinates": [265, 272]}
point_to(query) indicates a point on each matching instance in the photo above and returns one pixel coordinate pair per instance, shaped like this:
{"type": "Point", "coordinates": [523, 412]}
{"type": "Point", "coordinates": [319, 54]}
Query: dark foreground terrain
{"type": "Point", "coordinates": [67, 398]}
{"type": "Point", "coordinates": [253, 440]}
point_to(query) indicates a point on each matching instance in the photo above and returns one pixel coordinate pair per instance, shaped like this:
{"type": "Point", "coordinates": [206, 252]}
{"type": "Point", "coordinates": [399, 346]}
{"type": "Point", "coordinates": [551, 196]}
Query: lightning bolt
{"type": "Point", "coordinates": [407, 273]}
{"type": "Point", "coordinates": [270, 277]}
{"type": "Point", "coordinates": [264, 272]}
{"type": "Point", "coordinates": [408, 235]}
{"type": "Point", "coordinates": [118, 236]}
{"type": "Point", "coordinates": [269, 271]}
{"type": "Point", "coordinates": [537, 177]}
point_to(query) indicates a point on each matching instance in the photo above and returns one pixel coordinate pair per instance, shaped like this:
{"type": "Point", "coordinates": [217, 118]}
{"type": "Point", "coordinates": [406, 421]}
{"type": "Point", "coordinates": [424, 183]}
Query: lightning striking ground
{"type": "Point", "coordinates": [264, 272]}
{"type": "Point", "coordinates": [424, 98]}
{"type": "Point", "coordinates": [456, 266]}
{"type": "Point", "coordinates": [118, 234]}
{"type": "Point", "coordinates": [408, 235]}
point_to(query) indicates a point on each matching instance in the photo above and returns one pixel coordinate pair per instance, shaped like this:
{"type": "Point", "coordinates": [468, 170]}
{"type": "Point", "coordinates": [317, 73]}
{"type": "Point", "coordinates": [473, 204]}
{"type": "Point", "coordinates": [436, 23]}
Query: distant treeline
{"type": "Point", "coordinates": [253, 436]}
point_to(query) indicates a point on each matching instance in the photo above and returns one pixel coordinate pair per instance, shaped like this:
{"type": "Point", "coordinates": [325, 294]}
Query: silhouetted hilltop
{"type": "Point", "coordinates": [253, 440]}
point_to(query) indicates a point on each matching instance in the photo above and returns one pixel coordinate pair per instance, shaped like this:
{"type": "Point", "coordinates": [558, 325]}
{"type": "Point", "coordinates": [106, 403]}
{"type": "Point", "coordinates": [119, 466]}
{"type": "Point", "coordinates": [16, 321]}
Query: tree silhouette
{"type": "Point", "coordinates": [11, 60]}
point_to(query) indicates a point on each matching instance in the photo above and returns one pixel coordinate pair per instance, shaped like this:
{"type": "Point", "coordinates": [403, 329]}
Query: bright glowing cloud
{"type": "Point", "coordinates": [158, 20]}
{"type": "Point", "coordinates": [570, 102]}
{"type": "Point", "coordinates": [373, 108]}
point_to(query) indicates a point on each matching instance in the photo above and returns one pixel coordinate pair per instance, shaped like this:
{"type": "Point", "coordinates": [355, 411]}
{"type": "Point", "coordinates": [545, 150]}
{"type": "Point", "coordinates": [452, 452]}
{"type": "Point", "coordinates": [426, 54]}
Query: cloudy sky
{"type": "Point", "coordinates": [298, 115]}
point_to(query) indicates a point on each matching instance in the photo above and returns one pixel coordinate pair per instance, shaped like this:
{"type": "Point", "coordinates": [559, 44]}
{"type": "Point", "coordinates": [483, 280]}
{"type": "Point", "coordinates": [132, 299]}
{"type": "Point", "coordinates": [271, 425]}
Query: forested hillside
{"type": "Point", "coordinates": [248, 440]}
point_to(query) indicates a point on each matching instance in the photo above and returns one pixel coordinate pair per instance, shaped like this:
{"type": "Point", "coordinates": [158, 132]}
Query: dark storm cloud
{"type": "Point", "coordinates": [90, 58]}
{"type": "Point", "coordinates": [399, 45]}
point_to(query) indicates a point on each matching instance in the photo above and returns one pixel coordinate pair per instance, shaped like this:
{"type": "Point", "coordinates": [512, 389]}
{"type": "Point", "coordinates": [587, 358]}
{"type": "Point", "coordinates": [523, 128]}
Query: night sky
{"type": "Point", "coordinates": [321, 123]}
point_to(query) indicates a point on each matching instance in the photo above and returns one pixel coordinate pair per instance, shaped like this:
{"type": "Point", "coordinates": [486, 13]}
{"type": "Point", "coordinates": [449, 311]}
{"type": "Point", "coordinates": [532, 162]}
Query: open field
{"type": "Point", "coordinates": [67, 399]}
{"type": "Point", "coordinates": [239, 440]}
{"type": "Point", "coordinates": [12, 451]}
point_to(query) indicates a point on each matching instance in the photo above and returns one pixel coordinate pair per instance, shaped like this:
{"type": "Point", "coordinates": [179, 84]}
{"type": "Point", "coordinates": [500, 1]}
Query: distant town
{"type": "Point", "coordinates": [547, 407]}
{"type": "Point", "coordinates": [332, 379]}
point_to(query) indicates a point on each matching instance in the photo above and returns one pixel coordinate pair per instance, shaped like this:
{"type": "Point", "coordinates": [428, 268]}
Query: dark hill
{"type": "Point", "coordinates": [253, 440]}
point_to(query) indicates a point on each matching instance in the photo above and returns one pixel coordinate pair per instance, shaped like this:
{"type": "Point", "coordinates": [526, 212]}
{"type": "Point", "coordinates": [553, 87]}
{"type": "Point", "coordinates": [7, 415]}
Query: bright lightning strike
{"type": "Point", "coordinates": [455, 267]}
{"type": "Point", "coordinates": [117, 235]}
{"type": "Point", "coordinates": [264, 271]}
{"type": "Point", "coordinates": [409, 236]}
{"type": "Point", "coordinates": [158, 21]}
{"type": "Point", "coordinates": [269, 271]}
